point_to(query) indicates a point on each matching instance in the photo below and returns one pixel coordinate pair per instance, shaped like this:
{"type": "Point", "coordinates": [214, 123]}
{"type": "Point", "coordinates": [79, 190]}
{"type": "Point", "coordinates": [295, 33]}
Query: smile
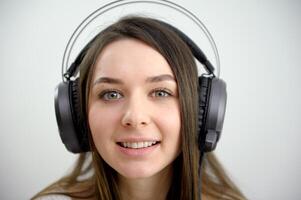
{"type": "Point", "coordinates": [137, 145]}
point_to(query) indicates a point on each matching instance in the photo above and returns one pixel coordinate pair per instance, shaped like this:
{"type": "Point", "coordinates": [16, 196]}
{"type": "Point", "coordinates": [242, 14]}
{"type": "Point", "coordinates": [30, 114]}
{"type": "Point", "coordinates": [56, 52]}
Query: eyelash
{"type": "Point", "coordinates": [165, 90]}
{"type": "Point", "coordinates": [108, 91]}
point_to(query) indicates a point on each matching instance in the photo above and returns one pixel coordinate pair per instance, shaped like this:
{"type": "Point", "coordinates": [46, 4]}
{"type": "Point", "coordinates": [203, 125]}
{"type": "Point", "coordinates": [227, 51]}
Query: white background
{"type": "Point", "coordinates": [259, 44]}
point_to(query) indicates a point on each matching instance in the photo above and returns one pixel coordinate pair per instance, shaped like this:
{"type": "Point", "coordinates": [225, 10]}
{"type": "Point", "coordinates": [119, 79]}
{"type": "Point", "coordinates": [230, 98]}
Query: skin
{"type": "Point", "coordinates": [135, 110]}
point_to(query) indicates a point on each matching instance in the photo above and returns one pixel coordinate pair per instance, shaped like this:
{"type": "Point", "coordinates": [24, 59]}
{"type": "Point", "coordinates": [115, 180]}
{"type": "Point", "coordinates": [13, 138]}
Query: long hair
{"type": "Point", "coordinates": [101, 180]}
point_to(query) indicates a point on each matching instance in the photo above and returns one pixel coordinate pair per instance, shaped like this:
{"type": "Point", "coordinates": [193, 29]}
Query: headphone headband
{"type": "Point", "coordinates": [68, 72]}
{"type": "Point", "coordinates": [196, 51]}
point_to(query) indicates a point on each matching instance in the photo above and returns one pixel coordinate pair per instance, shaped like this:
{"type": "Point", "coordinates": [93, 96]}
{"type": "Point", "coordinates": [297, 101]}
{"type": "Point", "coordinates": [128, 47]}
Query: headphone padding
{"type": "Point", "coordinates": [203, 92]}
{"type": "Point", "coordinates": [78, 118]}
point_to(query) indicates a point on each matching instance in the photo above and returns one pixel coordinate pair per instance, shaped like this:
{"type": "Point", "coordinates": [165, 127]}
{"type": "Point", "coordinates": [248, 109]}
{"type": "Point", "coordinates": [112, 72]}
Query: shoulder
{"type": "Point", "coordinates": [53, 197]}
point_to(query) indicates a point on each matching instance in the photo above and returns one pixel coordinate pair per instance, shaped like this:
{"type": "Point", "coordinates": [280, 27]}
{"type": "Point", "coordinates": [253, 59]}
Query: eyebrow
{"type": "Point", "coordinates": [152, 79]}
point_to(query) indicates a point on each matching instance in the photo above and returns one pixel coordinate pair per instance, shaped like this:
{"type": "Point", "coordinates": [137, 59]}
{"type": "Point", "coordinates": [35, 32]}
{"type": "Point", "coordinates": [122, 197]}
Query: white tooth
{"type": "Point", "coordinates": [135, 145]}
{"type": "Point", "coordinates": [154, 142]}
{"type": "Point", "coordinates": [128, 144]}
{"type": "Point", "coordinates": [145, 144]}
{"type": "Point", "coordinates": [139, 144]}
{"type": "Point", "coordinates": [131, 145]}
{"type": "Point", "coordinates": [123, 144]}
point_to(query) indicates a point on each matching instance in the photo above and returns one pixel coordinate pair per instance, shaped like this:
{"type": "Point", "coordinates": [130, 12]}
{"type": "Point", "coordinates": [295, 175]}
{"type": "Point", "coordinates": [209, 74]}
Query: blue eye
{"type": "Point", "coordinates": [110, 95]}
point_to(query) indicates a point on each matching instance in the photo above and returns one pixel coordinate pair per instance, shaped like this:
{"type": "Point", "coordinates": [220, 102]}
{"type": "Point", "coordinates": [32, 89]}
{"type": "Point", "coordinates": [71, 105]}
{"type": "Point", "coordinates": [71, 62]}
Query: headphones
{"type": "Point", "coordinates": [212, 97]}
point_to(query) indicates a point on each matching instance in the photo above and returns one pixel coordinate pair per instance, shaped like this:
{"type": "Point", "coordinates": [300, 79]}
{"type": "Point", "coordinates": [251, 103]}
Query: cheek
{"type": "Point", "coordinates": [170, 123]}
{"type": "Point", "coordinates": [101, 123]}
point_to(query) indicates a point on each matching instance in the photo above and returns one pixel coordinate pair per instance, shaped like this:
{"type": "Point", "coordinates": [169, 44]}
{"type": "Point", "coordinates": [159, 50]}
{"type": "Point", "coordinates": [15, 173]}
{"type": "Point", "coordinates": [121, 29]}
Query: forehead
{"type": "Point", "coordinates": [130, 58]}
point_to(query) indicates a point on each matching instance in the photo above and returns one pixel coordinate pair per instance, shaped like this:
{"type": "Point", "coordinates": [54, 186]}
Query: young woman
{"type": "Point", "coordinates": [138, 87]}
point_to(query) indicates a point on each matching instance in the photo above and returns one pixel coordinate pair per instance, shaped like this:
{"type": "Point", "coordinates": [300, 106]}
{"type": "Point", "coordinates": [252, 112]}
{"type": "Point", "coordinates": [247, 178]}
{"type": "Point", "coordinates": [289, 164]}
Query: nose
{"type": "Point", "coordinates": [136, 114]}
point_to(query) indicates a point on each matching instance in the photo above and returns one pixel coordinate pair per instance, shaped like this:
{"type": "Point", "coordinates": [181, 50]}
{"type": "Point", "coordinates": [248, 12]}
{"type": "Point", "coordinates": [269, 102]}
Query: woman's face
{"type": "Point", "coordinates": [133, 110]}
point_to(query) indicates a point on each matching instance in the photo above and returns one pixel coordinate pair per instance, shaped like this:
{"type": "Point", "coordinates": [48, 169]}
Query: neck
{"type": "Point", "coordinates": [150, 188]}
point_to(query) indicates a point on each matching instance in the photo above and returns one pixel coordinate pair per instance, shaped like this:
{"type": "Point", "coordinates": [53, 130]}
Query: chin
{"type": "Point", "coordinates": [142, 171]}
{"type": "Point", "coordinates": [137, 172]}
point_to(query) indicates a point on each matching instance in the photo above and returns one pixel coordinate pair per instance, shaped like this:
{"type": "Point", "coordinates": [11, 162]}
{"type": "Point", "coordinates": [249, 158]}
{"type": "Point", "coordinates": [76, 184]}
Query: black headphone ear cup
{"type": "Point", "coordinates": [71, 126]}
{"type": "Point", "coordinates": [212, 106]}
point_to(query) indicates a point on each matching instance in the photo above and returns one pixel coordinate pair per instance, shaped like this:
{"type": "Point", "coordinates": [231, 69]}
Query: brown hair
{"type": "Point", "coordinates": [102, 184]}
